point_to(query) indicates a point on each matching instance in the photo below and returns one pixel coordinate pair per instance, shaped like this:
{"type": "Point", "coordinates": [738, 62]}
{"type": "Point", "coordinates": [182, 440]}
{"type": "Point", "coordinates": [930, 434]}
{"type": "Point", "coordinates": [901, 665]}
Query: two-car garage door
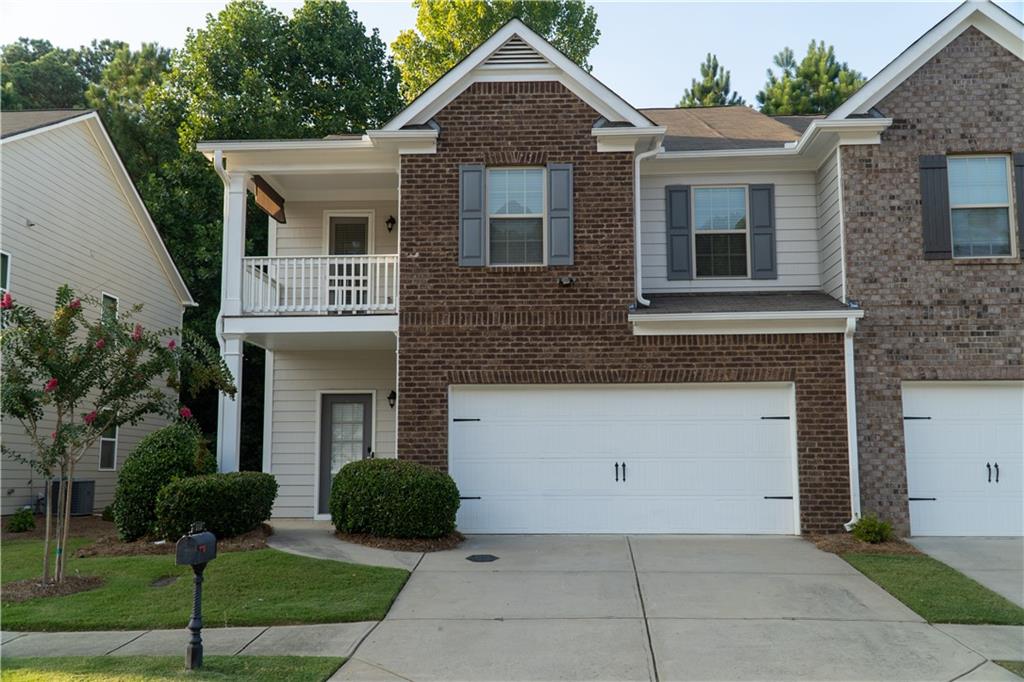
{"type": "Point", "coordinates": [713, 458]}
{"type": "Point", "coordinates": [965, 457]}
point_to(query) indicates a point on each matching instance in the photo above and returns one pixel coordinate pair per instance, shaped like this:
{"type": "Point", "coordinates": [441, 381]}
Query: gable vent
{"type": "Point", "coordinates": [515, 52]}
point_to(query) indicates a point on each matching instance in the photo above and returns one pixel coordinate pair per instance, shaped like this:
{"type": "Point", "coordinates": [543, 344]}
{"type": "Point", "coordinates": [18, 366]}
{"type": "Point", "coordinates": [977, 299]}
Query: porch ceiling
{"type": "Point", "coordinates": [338, 186]}
{"type": "Point", "coordinates": [310, 341]}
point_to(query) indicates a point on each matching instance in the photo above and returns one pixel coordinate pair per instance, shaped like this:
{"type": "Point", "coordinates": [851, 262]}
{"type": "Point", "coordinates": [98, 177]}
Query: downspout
{"type": "Point", "coordinates": [218, 166]}
{"type": "Point", "coordinates": [637, 256]}
{"type": "Point", "coordinates": [851, 423]}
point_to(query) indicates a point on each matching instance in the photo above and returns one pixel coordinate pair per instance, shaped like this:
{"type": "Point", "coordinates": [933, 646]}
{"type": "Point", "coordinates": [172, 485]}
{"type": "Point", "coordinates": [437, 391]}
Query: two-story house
{"type": "Point", "coordinates": [604, 319]}
{"type": "Point", "coordinates": [71, 215]}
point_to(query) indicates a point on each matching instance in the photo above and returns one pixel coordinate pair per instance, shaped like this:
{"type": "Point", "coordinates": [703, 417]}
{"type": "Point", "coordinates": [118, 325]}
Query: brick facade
{"type": "Point", "coordinates": [517, 325]}
{"type": "Point", "coordinates": [927, 320]}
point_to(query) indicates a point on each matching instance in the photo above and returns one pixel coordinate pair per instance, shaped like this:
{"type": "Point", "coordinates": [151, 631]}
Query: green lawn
{"type": "Point", "coordinates": [157, 668]}
{"type": "Point", "coordinates": [1015, 667]}
{"type": "Point", "coordinates": [261, 587]}
{"type": "Point", "coordinates": [936, 592]}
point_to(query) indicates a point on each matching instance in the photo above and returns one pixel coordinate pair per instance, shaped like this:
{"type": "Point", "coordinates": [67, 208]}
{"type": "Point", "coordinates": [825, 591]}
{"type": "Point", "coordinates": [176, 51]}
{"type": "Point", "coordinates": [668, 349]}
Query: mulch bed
{"type": "Point", "coordinates": [92, 527]}
{"type": "Point", "coordinates": [30, 588]}
{"type": "Point", "coordinates": [450, 541]}
{"type": "Point", "coordinates": [843, 543]}
{"type": "Point", "coordinates": [111, 546]}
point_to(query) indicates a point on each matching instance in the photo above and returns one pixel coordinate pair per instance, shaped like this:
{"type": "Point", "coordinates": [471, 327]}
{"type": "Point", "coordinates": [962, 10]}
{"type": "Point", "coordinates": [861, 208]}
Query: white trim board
{"type": "Point", "coordinates": [994, 22]}
{"type": "Point", "coordinates": [368, 213]}
{"type": "Point", "coordinates": [700, 324]}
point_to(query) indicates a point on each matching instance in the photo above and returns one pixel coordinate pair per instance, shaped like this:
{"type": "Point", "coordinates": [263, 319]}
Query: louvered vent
{"type": "Point", "coordinates": [515, 52]}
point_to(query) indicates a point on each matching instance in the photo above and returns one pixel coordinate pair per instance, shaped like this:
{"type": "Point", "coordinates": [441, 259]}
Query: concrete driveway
{"type": "Point", "coordinates": [650, 608]}
{"type": "Point", "coordinates": [996, 563]}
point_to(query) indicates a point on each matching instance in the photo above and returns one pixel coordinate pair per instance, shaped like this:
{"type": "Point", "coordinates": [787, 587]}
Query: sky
{"type": "Point", "coordinates": [648, 52]}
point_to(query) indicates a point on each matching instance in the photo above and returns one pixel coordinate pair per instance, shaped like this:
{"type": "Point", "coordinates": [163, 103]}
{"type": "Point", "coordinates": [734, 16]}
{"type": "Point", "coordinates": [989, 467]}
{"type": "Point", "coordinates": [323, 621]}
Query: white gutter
{"type": "Point", "coordinates": [835, 314]}
{"type": "Point", "coordinates": [637, 255]}
{"type": "Point", "coordinates": [851, 423]}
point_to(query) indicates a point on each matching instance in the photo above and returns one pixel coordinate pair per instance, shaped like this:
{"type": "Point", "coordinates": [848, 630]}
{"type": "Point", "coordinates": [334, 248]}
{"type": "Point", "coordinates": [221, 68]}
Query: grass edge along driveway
{"type": "Point", "coordinates": [259, 587]}
{"type": "Point", "coordinates": [935, 591]}
{"type": "Point", "coordinates": [159, 668]}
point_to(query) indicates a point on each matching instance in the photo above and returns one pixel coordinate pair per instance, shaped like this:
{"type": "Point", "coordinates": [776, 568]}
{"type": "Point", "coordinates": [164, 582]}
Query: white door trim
{"type": "Point", "coordinates": [367, 213]}
{"type": "Point", "coordinates": [318, 419]}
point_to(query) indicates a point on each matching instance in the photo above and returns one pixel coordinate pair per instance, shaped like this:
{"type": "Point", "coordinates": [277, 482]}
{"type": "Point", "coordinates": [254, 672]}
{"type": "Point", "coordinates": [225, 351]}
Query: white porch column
{"type": "Point", "coordinates": [229, 412]}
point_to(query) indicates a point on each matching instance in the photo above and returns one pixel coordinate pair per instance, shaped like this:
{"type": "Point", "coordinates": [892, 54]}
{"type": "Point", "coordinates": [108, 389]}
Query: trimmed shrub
{"type": "Point", "coordinates": [227, 504]}
{"type": "Point", "coordinates": [175, 451]}
{"type": "Point", "coordinates": [108, 513]}
{"type": "Point", "coordinates": [393, 498]}
{"type": "Point", "coordinates": [21, 521]}
{"type": "Point", "coordinates": [869, 528]}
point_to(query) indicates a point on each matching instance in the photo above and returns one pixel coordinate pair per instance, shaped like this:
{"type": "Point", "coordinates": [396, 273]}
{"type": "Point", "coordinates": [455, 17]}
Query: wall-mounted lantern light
{"type": "Point", "coordinates": [391, 222]}
{"type": "Point", "coordinates": [392, 397]}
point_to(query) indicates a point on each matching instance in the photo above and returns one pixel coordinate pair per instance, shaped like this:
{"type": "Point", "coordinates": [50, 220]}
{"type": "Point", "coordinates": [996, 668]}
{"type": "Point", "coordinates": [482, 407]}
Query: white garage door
{"type": "Point", "coordinates": [965, 453]}
{"type": "Point", "coordinates": [614, 459]}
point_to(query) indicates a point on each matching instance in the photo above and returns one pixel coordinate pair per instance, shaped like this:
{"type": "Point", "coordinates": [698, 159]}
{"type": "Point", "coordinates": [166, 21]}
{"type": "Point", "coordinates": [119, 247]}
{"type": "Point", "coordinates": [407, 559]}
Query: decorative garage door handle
{"type": "Point", "coordinates": [616, 472]}
{"type": "Point", "coordinates": [997, 472]}
{"type": "Point", "coordinates": [624, 472]}
{"type": "Point", "coordinates": [989, 467]}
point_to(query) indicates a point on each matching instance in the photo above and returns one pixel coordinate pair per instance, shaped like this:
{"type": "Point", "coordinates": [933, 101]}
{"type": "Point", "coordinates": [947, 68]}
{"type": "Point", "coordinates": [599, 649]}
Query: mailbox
{"type": "Point", "coordinates": [195, 548]}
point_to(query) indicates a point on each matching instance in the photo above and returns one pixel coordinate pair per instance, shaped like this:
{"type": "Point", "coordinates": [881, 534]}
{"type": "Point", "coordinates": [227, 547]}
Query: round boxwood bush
{"type": "Point", "coordinates": [175, 451]}
{"type": "Point", "coordinates": [226, 504]}
{"type": "Point", "coordinates": [393, 498]}
{"type": "Point", "coordinates": [869, 528]}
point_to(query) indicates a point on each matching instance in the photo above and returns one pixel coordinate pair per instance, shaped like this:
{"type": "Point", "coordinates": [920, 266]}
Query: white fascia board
{"type": "Point", "coordinates": [209, 147]}
{"type": "Point", "coordinates": [90, 113]}
{"type": "Point", "coordinates": [781, 322]}
{"type": "Point", "coordinates": [138, 207]}
{"type": "Point", "coordinates": [460, 76]}
{"type": "Point", "coordinates": [621, 139]}
{"type": "Point", "coordinates": [308, 324]}
{"type": "Point", "coordinates": [996, 23]}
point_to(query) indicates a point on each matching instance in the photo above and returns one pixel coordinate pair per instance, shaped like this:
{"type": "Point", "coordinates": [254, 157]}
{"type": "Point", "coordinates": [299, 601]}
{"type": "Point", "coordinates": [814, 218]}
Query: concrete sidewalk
{"type": "Point", "coordinates": [334, 639]}
{"type": "Point", "coordinates": [996, 563]}
{"type": "Point", "coordinates": [316, 539]}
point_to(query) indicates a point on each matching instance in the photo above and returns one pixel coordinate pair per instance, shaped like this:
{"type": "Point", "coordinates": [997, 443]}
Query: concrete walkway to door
{"type": "Point", "coordinates": [657, 608]}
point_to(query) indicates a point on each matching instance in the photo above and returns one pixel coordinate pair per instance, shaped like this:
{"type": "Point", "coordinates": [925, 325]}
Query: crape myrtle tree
{"type": "Point", "coordinates": [72, 376]}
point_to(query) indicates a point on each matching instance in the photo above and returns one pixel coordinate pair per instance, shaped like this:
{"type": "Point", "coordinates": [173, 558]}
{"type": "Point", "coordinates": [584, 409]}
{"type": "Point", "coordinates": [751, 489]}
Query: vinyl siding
{"type": "Point", "coordinates": [303, 234]}
{"type": "Point", "coordinates": [85, 235]}
{"type": "Point", "coordinates": [830, 233]}
{"type": "Point", "coordinates": [299, 376]}
{"type": "Point", "coordinates": [796, 216]}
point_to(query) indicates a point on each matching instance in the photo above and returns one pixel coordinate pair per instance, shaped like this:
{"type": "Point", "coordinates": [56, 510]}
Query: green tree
{"type": "Point", "coordinates": [69, 378]}
{"type": "Point", "coordinates": [713, 89]}
{"type": "Point", "coordinates": [817, 85]}
{"type": "Point", "coordinates": [448, 30]}
{"type": "Point", "coordinates": [37, 75]}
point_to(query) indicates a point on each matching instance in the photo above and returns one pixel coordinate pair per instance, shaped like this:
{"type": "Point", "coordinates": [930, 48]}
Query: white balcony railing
{"type": "Point", "coordinates": [319, 284]}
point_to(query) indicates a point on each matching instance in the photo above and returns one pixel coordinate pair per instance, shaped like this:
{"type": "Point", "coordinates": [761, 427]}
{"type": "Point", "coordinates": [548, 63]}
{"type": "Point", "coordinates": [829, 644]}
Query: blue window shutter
{"type": "Point", "coordinates": [677, 226]}
{"type": "Point", "coordinates": [1018, 185]}
{"type": "Point", "coordinates": [560, 230]}
{"type": "Point", "coordinates": [471, 215]}
{"type": "Point", "coordinates": [763, 261]}
{"type": "Point", "coordinates": [938, 238]}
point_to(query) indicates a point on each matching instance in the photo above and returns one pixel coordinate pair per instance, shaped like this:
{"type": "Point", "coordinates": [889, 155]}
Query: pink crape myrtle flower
{"type": "Point", "coordinates": [172, 344]}
{"type": "Point", "coordinates": [90, 418]}
{"type": "Point", "coordinates": [185, 413]}
{"type": "Point", "coordinates": [51, 385]}
{"type": "Point", "coordinates": [100, 343]}
{"type": "Point", "coordinates": [75, 304]}
{"type": "Point", "coordinates": [7, 302]}
{"type": "Point", "coordinates": [137, 333]}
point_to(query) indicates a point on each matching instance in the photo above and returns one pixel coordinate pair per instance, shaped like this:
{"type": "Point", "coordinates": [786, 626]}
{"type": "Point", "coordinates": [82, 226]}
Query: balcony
{"type": "Point", "coordinates": [320, 285]}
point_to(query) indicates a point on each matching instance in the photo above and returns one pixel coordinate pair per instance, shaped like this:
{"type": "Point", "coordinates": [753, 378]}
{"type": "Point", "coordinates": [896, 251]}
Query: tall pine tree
{"type": "Point", "coordinates": [817, 85]}
{"type": "Point", "coordinates": [713, 88]}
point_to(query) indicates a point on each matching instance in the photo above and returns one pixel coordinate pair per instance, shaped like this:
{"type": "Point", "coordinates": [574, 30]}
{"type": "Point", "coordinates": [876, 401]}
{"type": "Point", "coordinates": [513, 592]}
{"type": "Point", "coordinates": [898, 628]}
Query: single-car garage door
{"type": "Point", "coordinates": [965, 452]}
{"type": "Point", "coordinates": [710, 458]}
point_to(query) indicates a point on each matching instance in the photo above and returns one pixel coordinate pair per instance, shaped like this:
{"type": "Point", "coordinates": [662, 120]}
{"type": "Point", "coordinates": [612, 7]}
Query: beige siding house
{"type": "Point", "coordinates": [70, 215]}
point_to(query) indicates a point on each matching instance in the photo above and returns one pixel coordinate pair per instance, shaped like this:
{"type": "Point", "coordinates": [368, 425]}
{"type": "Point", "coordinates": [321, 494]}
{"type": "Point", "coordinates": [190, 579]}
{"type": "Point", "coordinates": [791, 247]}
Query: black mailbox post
{"type": "Point", "coordinates": [196, 549]}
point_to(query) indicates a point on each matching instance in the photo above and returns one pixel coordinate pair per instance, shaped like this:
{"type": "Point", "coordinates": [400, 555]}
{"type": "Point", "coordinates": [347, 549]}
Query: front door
{"type": "Point", "coordinates": [346, 423]}
{"type": "Point", "coordinates": [349, 285]}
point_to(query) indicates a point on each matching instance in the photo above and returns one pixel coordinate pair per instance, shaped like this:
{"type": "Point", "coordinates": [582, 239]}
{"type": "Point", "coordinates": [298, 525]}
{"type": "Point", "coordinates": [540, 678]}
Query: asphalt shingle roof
{"type": "Point", "coordinates": [14, 122]}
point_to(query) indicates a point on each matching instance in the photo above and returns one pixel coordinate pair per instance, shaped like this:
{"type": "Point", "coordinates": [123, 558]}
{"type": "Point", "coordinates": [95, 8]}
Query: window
{"type": "Point", "coordinates": [108, 449]}
{"type": "Point", "coordinates": [5, 271]}
{"type": "Point", "coordinates": [720, 231]}
{"type": "Point", "coordinates": [109, 305]}
{"type": "Point", "coordinates": [515, 216]}
{"type": "Point", "coordinates": [979, 202]}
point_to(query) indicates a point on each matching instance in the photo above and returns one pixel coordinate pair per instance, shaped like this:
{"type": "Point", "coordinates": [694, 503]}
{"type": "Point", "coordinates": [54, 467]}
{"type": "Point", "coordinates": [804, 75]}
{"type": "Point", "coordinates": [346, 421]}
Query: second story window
{"type": "Point", "coordinates": [720, 231]}
{"type": "Point", "coordinates": [515, 216]}
{"type": "Point", "coordinates": [979, 202]}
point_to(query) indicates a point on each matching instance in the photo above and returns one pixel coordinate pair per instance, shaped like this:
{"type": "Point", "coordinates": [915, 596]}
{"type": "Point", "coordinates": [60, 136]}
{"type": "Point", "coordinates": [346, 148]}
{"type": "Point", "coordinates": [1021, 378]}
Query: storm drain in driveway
{"type": "Point", "coordinates": [481, 558]}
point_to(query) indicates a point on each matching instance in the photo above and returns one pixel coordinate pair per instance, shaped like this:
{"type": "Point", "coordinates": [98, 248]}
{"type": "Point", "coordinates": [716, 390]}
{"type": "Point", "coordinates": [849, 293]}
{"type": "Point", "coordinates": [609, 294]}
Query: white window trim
{"type": "Point", "coordinates": [368, 213]}
{"type": "Point", "coordinates": [117, 301]}
{"type": "Point", "coordinates": [6, 286]}
{"type": "Point", "coordinates": [1009, 206]}
{"type": "Point", "coordinates": [100, 467]}
{"type": "Point", "coordinates": [318, 420]}
{"type": "Point", "coordinates": [694, 231]}
{"type": "Point", "coordinates": [543, 215]}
